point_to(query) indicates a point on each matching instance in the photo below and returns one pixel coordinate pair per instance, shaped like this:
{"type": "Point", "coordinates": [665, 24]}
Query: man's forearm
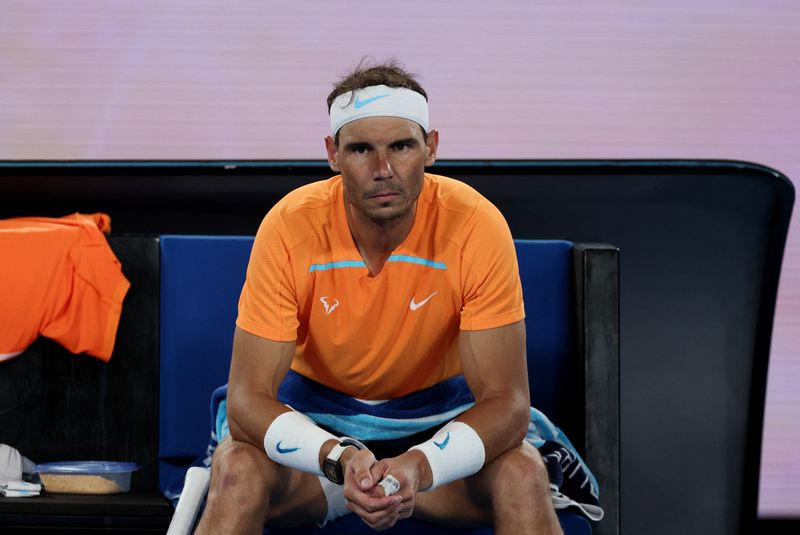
{"type": "Point", "coordinates": [287, 437]}
{"type": "Point", "coordinates": [462, 447]}
{"type": "Point", "coordinates": [250, 414]}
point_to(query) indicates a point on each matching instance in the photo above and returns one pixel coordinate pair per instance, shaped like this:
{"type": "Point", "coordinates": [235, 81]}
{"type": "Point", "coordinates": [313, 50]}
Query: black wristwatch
{"type": "Point", "coordinates": [331, 466]}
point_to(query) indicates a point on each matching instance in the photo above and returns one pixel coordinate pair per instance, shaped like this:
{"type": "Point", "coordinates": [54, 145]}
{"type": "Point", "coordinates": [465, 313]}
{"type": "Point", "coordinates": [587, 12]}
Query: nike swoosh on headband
{"type": "Point", "coordinates": [358, 104]}
{"type": "Point", "coordinates": [284, 450]}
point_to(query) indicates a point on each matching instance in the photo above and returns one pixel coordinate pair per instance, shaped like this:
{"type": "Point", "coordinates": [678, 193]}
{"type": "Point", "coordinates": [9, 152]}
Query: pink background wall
{"type": "Point", "coordinates": [203, 79]}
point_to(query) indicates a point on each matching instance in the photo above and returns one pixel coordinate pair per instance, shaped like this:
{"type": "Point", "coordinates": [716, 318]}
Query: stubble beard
{"type": "Point", "coordinates": [383, 216]}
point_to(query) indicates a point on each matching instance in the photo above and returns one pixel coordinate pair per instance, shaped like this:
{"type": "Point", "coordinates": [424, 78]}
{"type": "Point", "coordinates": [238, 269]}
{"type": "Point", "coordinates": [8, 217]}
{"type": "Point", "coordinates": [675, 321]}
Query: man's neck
{"type": "Point", "coordinates": [376, 241]}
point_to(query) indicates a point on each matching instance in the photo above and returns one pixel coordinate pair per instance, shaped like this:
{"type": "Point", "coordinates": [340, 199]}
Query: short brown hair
{"type": "Point", "coordinates": [391, 74]}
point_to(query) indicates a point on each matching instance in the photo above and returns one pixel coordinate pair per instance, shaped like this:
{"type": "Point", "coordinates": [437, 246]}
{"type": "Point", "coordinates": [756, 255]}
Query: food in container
{"type": "Point", "coordinates": [86, 477]}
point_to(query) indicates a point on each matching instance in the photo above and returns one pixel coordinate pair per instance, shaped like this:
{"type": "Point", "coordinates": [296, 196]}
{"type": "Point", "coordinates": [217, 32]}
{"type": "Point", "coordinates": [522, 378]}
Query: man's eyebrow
{"type": "Point", "coordinates": [405, 141]}
{"type": "Point", "coordinates": [357, 145]}
{"type": "Point", "coordinates": [353, 145]}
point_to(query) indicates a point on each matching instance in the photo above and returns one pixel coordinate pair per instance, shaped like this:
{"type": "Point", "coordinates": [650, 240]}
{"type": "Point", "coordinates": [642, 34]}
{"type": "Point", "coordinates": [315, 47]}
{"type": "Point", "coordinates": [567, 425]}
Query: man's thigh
{"type": "Point", "coordinates": [290, 497]}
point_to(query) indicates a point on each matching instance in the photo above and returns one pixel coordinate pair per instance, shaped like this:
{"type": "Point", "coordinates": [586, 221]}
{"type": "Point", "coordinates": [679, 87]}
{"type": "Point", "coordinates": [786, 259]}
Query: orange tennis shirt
{"type": "Point", "coordinates": [59, 278]}
{"type": "Point", "coordinates": [385, 336]}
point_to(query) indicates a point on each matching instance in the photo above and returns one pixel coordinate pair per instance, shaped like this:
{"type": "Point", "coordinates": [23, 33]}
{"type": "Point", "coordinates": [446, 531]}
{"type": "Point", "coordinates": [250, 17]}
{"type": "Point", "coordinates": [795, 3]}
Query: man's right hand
{"type": "Point", "coordinates": [363, 494]}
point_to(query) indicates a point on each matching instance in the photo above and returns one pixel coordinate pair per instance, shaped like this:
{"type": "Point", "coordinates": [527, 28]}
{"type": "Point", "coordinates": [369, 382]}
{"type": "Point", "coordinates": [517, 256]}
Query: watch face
{"type": "Point", "coordinates": [333, 471]}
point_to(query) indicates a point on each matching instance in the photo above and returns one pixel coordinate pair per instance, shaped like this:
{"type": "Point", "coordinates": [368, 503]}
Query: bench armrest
{"type": "Point", "coordinates": [596, 283]}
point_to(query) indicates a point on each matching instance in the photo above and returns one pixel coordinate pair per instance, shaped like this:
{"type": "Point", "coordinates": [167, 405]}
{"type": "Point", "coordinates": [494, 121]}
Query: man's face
{"type": "Point", "coordinates": [382, 162]}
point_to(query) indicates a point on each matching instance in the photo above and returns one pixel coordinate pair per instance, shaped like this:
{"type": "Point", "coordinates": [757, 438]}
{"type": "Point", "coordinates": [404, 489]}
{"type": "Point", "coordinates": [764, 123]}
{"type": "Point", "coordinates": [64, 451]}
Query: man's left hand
{"type": "Point", "coordinates": [368, 500]}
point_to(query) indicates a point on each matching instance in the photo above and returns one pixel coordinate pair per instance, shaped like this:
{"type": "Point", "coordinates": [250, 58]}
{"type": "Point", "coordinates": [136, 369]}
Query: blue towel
{"type": "Point", "coordinates": [393, 419]}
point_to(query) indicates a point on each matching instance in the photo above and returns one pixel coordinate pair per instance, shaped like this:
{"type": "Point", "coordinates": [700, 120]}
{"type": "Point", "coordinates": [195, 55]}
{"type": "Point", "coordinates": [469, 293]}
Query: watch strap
{"type": "Point", "coordinates": [347, 441]}
{"type": "Point", "coordinates": [332, 466]}
{"type": "Point", "coordinates": [336, 451]}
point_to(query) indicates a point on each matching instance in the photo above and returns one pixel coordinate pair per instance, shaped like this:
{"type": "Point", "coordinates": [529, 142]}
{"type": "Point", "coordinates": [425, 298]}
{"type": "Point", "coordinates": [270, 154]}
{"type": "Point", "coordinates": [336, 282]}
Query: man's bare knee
{"type": "Point", "coordinates": [245, 480]}
{"type": "Point", "coordinates": [520, 470]}
{"type": "Point", "coordinates": [240, 493]}
{"type": "Point", "coordinates": [241, 470]}
{"type": "Point", "coordinates": [520, 493]}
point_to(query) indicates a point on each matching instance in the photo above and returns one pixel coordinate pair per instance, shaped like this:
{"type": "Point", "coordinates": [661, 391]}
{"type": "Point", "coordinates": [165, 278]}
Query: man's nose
{"type": "Point", "coordinates": [383, 167]}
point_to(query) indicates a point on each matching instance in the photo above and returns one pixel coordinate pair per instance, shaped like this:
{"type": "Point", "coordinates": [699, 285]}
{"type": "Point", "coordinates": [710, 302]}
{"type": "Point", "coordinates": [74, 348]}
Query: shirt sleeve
{"type": "Point", "coordinates": [492, 289]}
{"type": "Point", "coordinates": [268, 302]}
{"type": "Point", "coordinates": [88, 323]}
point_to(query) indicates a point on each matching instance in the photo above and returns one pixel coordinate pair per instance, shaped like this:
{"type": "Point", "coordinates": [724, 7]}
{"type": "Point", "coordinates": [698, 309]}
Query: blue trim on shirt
{"type": "Point", "coordinates": [335, 265]}
{"type": "Point", "coordinates": [392, 258]}
{"type": "Point", "coordinates": [416, 260]}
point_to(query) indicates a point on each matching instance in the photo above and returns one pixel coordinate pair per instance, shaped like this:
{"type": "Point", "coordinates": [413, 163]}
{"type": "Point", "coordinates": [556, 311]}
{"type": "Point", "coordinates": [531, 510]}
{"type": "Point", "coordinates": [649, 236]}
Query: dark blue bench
{"type": "Point", "coordinates": [201, 277]}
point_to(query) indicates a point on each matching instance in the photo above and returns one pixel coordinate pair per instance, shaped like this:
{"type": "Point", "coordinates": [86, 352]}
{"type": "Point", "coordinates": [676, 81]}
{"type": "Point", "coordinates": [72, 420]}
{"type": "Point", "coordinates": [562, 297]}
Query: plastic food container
{"type": "Point", "coordinates": [86, 477]}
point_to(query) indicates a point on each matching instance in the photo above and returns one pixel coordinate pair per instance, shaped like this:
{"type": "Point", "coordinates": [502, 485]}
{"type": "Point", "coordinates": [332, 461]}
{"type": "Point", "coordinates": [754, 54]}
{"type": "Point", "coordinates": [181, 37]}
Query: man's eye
{"type": "Point", "coordinates": [401, 147]}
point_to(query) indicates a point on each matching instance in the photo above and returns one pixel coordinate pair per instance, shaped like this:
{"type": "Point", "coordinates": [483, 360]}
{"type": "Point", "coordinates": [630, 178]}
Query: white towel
{"type": "Point", "coordinates": [194, 490]}
{"type": "Point", "coordinates": [18, 489]}
{"type": "Point", "coordinates": [12, 466]}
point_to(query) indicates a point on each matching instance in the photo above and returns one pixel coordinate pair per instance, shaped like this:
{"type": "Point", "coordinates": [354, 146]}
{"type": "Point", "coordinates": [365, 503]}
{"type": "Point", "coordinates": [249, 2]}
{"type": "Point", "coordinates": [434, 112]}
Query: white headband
{"type": "Point", "coordinates": [379, 101]}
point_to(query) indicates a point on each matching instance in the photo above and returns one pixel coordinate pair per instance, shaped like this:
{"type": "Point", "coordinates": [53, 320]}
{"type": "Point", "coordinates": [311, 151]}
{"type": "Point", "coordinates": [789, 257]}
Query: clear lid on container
{"type": "Point", "coordinates": [86, 467]}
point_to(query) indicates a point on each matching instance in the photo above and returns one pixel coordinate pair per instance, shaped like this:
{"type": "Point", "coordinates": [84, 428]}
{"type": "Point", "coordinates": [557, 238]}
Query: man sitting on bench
{"type": "Point", "coordinates": [393, 296]}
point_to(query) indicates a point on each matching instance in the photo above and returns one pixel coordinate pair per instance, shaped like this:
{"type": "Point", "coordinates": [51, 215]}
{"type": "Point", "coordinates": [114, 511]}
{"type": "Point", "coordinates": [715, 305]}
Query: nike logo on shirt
{"type": "Point", "coordinates": [413, 306]}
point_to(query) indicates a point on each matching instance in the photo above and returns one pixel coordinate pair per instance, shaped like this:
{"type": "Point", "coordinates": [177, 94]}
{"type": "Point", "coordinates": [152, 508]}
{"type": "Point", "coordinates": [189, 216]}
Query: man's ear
{"type": "Point", "coordinates": [432, 147]}
{"type": "Point", "coordinates": [331, 149]}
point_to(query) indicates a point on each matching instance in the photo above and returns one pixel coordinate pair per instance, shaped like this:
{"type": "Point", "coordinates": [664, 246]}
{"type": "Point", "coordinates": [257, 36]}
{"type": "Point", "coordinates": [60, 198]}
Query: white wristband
{"type": "Point", "coordinates": [453, 453]}
{"type": "Point", "coordinates": [294, 440]}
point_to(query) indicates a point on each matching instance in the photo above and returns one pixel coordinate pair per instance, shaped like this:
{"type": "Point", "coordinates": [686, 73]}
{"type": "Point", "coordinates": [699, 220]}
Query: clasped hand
{"type": "Point", "coordinates": [368, 500]}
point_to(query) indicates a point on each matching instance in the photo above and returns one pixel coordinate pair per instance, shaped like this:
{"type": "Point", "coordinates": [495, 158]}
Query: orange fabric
{"type": "Point", "coordinates": [59, 278]}
{"type": "Point", "coordinates": [385, 336]}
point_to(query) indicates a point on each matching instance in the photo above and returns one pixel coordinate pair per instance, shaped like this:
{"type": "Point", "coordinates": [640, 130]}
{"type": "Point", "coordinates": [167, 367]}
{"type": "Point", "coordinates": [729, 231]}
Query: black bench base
{"type": "Point", "coordinates": [134, 512]}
